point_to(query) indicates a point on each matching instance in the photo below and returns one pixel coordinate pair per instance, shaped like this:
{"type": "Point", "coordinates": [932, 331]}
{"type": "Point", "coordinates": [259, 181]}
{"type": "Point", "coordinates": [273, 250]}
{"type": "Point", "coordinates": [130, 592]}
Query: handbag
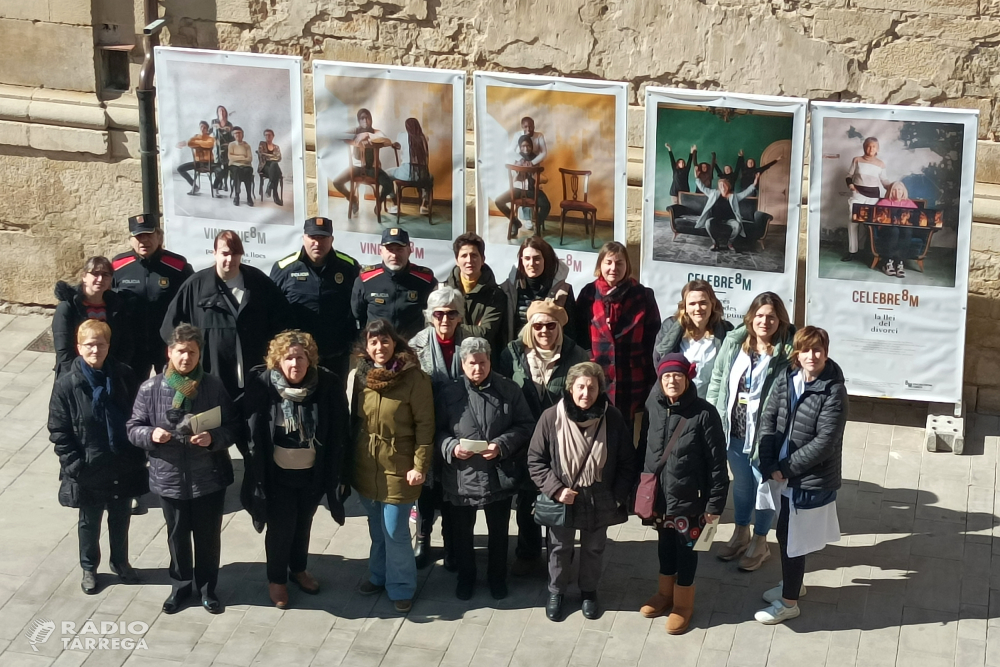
{"type": "Point", "coordinates": [649, 482]}
{"type": "Point", "coordinates": [552, 513]}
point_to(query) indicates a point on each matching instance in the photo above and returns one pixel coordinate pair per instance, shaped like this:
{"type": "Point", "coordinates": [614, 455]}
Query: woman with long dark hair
{"type": "Point", "coordinates": [538, 275]}
{"type": "Point", "coordinates": [751, 358]}
{"type": "Point", "coordinates": [413, 162]}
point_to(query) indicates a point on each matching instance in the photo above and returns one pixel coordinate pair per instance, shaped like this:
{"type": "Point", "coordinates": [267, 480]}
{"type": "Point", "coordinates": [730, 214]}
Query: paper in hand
{"type": "Point", "coordinates": [707, 536]}
{"type": "Point", "coordinates": [206, 421]}
{"type": "Point", "coordinates": [474, 446]}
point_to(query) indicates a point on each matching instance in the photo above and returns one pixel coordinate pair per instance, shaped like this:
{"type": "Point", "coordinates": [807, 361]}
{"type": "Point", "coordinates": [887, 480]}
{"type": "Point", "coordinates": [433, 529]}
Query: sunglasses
{"type": "Point", "coordinates": [441, 314]}
{"type": "Point", "coordinates": [544, 326]}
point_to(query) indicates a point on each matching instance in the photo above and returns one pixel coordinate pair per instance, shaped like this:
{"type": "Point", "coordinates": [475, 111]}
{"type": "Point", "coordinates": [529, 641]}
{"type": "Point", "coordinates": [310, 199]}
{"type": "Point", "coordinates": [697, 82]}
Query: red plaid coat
{"type": "Point", "coordinates": [619, 328]}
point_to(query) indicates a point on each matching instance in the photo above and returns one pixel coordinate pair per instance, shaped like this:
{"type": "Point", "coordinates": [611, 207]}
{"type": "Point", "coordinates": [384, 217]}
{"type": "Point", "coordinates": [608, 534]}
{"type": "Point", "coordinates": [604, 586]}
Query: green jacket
{"type": "Point", "coordinates": [718, 390]}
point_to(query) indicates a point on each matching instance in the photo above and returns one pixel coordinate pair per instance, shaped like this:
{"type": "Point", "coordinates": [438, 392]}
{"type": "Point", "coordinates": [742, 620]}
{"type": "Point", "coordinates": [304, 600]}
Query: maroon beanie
{"type": "Point", "coordinates": [675, 363]}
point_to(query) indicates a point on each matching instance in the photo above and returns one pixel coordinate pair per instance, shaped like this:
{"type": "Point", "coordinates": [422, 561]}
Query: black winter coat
{"type": "Point", "coordinates": [70, 313]}
{"type": "Point", "coordinates": [514, 365]}
{"type": "Point", "coordinates": [89, 472]}
{"type": "Point", "coordinates": [496, 412]}
{"type": "Point", "coordinates": [603, 503]}
{"type": "Point", "coordinates": [178, 469]}
{"type": "Point", "coordinates": [202, 301]}
{"type": "Point", "coordinates": [261, 406]}
{"type": "Point", "coordinates": [485, 308]}
{"type": "Point", "coordinates": [814, 427]}
{"type": "Point", "coordinates": [695, 479]}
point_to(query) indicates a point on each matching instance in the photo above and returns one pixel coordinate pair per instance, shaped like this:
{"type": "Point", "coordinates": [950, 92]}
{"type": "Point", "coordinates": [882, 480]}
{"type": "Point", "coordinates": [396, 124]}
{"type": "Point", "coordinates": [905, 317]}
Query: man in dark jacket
{"type": "Point", "coordinates": [99, 468]}
{"type": "Point", "coordinates": [483, 436]}
{"type": "Point", "coordinates": [485, 302]}
{"type": "Point", "coordinates": [184, 419]}
{"type": "Point", "coordinates": [152, 275]}
{"type": "Point", "coordinates": [317, 281]}
{"type": "Point", "coordinates": [395, 290]}
{"type": "Point", "coordinates": [238, 308]}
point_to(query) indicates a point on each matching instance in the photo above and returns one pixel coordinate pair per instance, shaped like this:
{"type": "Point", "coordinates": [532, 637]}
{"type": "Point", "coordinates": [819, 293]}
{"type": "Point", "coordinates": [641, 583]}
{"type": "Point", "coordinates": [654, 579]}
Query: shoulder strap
{"type": "Point", "coordinates": [670, 446]}
{"type": "Point", "coordinates": [577, 478]}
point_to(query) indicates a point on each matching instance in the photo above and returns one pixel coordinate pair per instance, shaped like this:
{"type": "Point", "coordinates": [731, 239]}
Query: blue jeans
{"type": "Point", "coordinates": [746, 479]}
{"type": "Point", "coordinates": [391, 560]}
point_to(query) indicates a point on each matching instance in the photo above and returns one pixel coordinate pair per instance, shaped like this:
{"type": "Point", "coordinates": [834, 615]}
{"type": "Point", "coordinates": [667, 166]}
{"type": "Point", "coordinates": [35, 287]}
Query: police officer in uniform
{"type": "Point", "coordinates": [153, 275]}
{"type": "Point", "coordinates": [317, 281]}
{"type": "Point", "coordinates": [395, 290]}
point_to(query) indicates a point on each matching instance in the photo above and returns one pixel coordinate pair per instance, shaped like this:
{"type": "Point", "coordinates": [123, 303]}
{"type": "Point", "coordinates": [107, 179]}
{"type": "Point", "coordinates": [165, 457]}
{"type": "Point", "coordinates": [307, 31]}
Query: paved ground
{"type": "Point", "coordinates": [909, 584]}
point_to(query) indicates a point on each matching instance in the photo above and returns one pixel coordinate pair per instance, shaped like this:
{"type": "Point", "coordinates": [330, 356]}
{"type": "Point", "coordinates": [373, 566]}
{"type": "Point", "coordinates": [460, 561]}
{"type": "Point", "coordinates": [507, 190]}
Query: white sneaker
{"type": "Point", "coordinates": [776, 613]}
{"type": "Point", "coordinates": [772, 594]}
{"type": "Point", "coordinates": [528, 225]}
{"type": "Point", "coordinates": [391, 209]}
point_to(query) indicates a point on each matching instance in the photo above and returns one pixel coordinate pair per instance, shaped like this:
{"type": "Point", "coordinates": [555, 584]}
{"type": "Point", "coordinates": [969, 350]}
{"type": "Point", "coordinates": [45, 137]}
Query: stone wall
{"type": "Point", "coordinates": [68, 145]}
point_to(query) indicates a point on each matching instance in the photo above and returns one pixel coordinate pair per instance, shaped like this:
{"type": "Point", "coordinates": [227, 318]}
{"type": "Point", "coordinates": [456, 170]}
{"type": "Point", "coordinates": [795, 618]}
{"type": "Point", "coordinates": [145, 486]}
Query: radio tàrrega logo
{"type": "Point", "coordinates": [91, 635]}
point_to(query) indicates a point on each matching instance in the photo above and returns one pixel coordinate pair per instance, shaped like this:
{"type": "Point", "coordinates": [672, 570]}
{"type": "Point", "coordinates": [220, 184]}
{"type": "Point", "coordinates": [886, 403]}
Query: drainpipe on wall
{"type": "Point", "coordinates": [146, 94]}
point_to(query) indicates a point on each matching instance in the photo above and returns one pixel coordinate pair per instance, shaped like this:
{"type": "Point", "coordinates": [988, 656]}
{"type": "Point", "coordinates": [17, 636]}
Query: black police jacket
{"type": "Point", "coordinates": [397, 296]}
{"type": "Point", "coordinates": [202, 301]}
{"type": "Point", "coordinates": [319, 298]}
{"type": "Point", "coordinates": [153, 282]}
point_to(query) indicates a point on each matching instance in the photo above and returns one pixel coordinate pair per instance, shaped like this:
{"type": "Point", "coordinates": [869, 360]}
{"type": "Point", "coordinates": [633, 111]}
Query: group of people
{"type": "Point", "coordinates": [721, 216]}
{"type": "Point", "coordinates": [219, 149]}
{"type": "Point", "coordinates": [430, 399]}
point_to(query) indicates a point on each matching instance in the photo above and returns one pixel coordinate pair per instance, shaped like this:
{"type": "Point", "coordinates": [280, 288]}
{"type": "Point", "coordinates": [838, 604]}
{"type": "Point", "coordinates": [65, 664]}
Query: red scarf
{"type": "Point", "coordinates": [617, 334]}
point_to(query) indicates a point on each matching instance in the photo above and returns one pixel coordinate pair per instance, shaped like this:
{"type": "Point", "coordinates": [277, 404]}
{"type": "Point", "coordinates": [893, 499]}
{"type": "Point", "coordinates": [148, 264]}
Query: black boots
{"type": "Point", "coordinates": [422, 553]}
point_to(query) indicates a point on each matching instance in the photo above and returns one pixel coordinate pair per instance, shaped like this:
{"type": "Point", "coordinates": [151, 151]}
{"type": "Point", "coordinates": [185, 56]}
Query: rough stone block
{"type": "Point", "coordinates": [988, 162]}
{"type": "Point", "coordinates": [123, 117]}
{"type": "Point", "coordinates": [636, 126]}
{"type": "Point", "coordinates": [74, 12]}
{"type": "Point", "coordinates": [950, 7]}
{"type": "Point", "coordinates": [68, 140]}
{"type": "Point", "coordinates": [843, 25]}
{"type": "Point", "coordinates": [358, 26]}
{"type": "Point", "coordinates": [13, 133]}
{"type": "Point", "coordinates": [982, 105]}
{"type": "Point", "coordinates": [47, 54]}
{"type": "Point", "coordinates": [986, 237]}
{"type": "Point", "coordinates": [224, 11]}
{"type": "Point", "coordinates": [913, 60]}
{"type": "Point", "coordinates": [30, 266]}
{"type": "Point", "coordinates": [124, 144]}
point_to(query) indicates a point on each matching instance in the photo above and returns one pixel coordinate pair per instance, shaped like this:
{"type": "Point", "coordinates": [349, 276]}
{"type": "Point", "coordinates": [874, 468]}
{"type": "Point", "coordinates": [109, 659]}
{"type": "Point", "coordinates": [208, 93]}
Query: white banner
{"type": "Point", "coordinates": [207, 99]}
{"type": "Point", "coordinates": [391, 126]}
{"type": "Point", "coordinates": [756, 144]}
{"type": "Point", "coordinates": [890, 188]}
{"type": "Point", "coordinates": [578, 138]}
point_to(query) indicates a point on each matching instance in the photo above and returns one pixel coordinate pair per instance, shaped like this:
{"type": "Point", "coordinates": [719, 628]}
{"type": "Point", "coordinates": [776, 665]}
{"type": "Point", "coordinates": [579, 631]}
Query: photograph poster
{"type": "Point", "coordinates": [890, 219]}
{"type": "Point", "coordinates": [231, 152]}
{"type": "Point", "coordinates": [398, 133]}
{"type": "Point", "coordinates": [721, 195]}
{"type": "Point", "coordinates": [550, 161]}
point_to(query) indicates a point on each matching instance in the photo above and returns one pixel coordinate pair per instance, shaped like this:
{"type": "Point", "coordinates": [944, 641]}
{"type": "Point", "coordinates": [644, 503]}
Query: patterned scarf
{"type": "Point", "coordinates": [384, 379]}
{"type": "Point", "coordinates": [297, 417]}
{"type": "Point", "coordinates": [185, 386]}
{"type": "Point", "coordinates": [617, 332]}
{"type": "Point", "coordinates": [102, 407]}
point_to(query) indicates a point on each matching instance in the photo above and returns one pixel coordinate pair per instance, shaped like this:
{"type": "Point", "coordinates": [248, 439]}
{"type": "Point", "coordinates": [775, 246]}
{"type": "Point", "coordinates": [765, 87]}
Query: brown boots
{"type": "Point", "coordinates": [736, 545]}
{"type": "Point", "coordinates": [663, 600]}
{"type": "Point", "coordinates": [755, 555]}
{"type": "Point", "coordinates": [279, 595]}
{"type": "Point", "coordinates": [680, 617]}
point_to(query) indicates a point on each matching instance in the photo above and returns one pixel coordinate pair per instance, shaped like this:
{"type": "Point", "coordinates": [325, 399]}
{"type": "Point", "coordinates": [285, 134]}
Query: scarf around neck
{"type": "Point", "coordinates": [582, 437]}
{"type": "Point", "coordinates": [298, 417]}
{"type": "Point", "coordinates": [185, 386]}
{"type": "Point", "coordinates": [384, 379]}
{"type": "Point", "coordinates": [103, 407]}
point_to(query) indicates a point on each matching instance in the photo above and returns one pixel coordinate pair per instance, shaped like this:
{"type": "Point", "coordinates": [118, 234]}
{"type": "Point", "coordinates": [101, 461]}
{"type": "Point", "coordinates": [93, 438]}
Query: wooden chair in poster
{"type": "Point", "coordinates": [532, 175]}
{"type": "Point", "coordinates": [204, 167]}
{"type": "Point", "coordinates": [576, 188]}
{"type": "Point", "coordinates": [359, 176]}
{"type": "Point", "coordinates": [399, 185]}
{"type": "Point", "coordinates": [928, 222]}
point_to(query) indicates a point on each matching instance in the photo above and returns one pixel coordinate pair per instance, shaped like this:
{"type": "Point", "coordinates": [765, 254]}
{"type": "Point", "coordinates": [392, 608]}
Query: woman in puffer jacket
{"type": "Point", "coordinates": [189, 465]}
{"type": "Point", "coordinates": [801, 443]}
{"type": "Point", "coordinates": [481, 407]}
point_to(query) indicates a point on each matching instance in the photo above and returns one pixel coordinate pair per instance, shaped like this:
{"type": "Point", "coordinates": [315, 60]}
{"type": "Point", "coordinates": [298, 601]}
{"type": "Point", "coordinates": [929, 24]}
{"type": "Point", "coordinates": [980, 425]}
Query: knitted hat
{"type": "Point", "coordinates": [675, 363]}
{"type": "Point", "coordinates": [548, 307]}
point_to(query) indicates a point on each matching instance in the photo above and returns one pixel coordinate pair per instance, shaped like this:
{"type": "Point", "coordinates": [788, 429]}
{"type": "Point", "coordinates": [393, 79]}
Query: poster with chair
{"type": "Point", "coordinates": [231, 152]}
{"type": "Point", "coordinates": [721, 195]}
{"type": "Point", "coordinates": [890, 222]}
{"type": "Point", "coordinates": [550, 162]}
{"type": "Point", "coordinates": [390, 147]}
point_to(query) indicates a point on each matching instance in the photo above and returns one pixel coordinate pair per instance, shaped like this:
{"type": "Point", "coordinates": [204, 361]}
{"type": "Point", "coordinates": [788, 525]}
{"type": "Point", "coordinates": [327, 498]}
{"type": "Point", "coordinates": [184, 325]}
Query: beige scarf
{"type": "Point", "coordinates": [583, 447]}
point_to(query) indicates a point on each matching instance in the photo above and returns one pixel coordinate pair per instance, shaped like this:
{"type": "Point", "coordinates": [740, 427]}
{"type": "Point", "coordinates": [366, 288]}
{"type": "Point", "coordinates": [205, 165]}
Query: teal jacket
{"type": "Point", "coordinates": [718, 389]}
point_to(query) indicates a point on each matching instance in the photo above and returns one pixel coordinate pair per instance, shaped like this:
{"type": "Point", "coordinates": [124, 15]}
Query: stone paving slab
{"type": "Point", "coordinates": [910, 583]}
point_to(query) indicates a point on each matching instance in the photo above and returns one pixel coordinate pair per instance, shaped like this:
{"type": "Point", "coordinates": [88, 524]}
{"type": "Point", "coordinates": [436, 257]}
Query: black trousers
{"type": "Point", "coordinates": [89, 532]}
{"type": "Point", "coordinates": [185, 171]}
{"type": "Point", "coordinates": [431, 501]}
{"type": "Point", "coordinates": [242, 175]}
{"type": "Point", "coordinates": [200, 520]}
{"type": "Point", "coordinates": [272, 171]}
{"type": "Point", "coordinates": [893, 242]}
{"type": "Point", "coordinates": [503, 203]}
{"type": "Point", "coordinates": [529, 533]}
{"type": "Point", "coordinates": [676, 557]}
{"type": "Point", "coordinates": [793, 570]}
{"type": "Point", "coordinates": [463, 525]}
{"type": "Point", "coordinates": [290, 514]}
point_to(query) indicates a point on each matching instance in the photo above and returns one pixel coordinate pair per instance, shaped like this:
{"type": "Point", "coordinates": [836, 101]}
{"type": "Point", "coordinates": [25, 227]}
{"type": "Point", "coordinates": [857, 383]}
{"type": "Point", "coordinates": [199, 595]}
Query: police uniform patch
{"type": "Point", "coordinates": [380, 301]}
{"type": "Point", "coordinates": [411, 295]}
{"type": "Point", "coordinates": [339, 278]}
{"type": "Point", "coordinates": [164, 282]}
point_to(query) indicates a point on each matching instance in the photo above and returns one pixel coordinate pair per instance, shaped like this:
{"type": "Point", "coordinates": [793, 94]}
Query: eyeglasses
{"type": "Point", "coordinates": [442, 314]}
{"type": "Point", "coordinates": [93, 346]}
{"type": "Point", "coordinates": [544, 326]}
